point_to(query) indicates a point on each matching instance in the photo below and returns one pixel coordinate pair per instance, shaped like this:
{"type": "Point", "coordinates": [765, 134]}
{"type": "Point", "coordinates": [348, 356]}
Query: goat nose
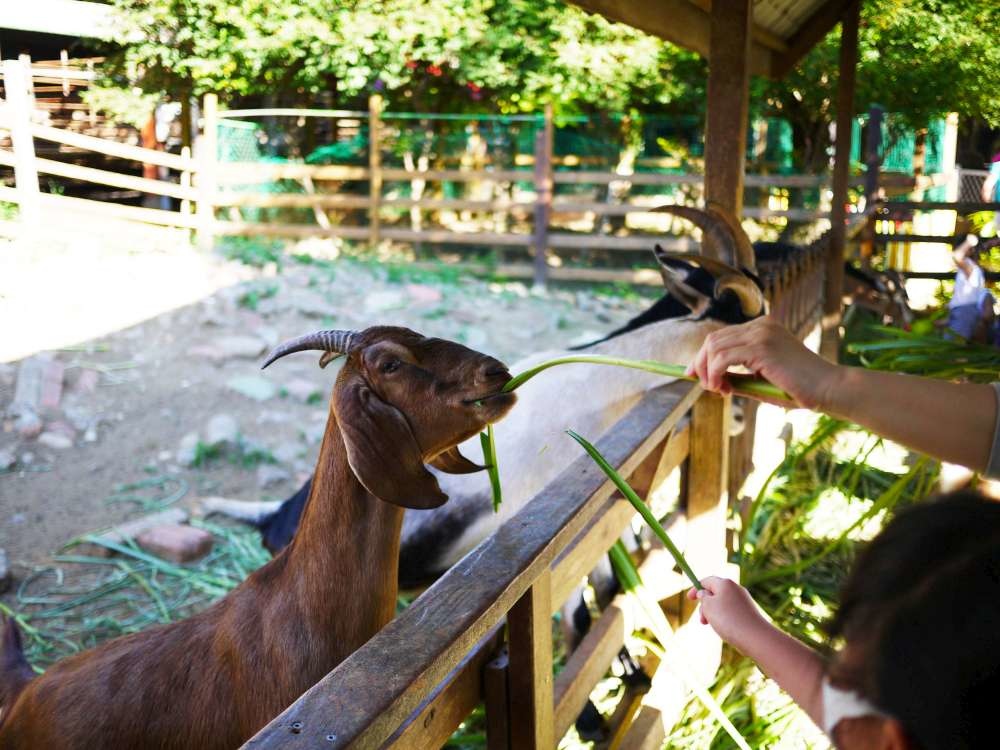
{"type": "Point", "coordinates": [494, 369]}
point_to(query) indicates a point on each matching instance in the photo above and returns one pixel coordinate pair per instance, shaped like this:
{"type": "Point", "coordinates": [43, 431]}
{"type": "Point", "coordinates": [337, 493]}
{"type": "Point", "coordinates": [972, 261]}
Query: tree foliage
{"type": "Point", "coordinates": [919, 59]}
{"type": "Point", "coordinates": [446, 55]}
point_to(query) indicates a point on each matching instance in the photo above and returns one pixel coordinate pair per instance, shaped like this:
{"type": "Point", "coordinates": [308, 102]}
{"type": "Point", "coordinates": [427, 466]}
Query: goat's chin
{"type": "Point", "coordinates": [496, 407]}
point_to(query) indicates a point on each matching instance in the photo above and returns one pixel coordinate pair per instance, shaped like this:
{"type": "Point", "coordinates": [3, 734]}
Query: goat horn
{"type": "Point", "coordinates": [332, 342]}
{"type": "Point", "coordinates": [712, 224]}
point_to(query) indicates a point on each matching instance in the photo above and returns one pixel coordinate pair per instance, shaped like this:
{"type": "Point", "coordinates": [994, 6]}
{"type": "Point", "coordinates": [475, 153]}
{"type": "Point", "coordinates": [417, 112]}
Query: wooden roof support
{"type": "Point", "coordinates": [810, 34]}
{"type": "Point", "coordinates": [833, 291]}
{"type": "Point", "coordinates": [682, 23]}
{"type": "Point", "coordinates": [728, 102]}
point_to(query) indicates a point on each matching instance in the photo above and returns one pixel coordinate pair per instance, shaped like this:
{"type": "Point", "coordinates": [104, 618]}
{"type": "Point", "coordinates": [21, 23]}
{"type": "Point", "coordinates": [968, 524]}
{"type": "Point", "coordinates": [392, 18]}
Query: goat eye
{"type": "Point", "coordinates": [391, 366]}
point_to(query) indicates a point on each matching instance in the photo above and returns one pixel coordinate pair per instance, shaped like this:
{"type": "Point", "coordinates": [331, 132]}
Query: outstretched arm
{"type": "Point", "coordinates": [798, 670]}
{"type": "Point", "coordinates": [951, 421]}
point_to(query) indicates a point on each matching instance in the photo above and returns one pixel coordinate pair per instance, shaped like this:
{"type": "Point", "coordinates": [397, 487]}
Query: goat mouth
{"type": "Point", "coordinates": [483, 400]}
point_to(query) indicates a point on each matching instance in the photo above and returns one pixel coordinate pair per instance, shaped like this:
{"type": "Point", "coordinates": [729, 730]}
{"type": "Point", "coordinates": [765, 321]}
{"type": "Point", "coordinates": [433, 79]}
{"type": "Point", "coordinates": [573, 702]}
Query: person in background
{"type": "Point", "coordinates": [970, 309]}
{"type": "Point", "coordinates": [919, 616]}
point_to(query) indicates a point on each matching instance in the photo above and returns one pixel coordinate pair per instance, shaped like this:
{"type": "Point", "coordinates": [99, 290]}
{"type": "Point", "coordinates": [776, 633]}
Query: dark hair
{"type": "Point", "coordinates": [921, 609]}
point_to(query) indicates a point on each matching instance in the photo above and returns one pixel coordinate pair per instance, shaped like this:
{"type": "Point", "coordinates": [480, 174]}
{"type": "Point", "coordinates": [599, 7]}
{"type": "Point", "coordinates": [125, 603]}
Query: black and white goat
{"type": "Point", "coordinates": [702, 296]}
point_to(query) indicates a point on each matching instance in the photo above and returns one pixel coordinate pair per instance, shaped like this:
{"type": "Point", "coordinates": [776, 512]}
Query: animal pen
{"type": "Point", "coordinates": [415, 681]}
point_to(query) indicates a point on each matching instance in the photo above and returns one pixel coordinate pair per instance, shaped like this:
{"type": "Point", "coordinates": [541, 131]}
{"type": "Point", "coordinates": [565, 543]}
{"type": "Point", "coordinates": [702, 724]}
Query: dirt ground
{"type": "Point", "coordinates": [156, 341]}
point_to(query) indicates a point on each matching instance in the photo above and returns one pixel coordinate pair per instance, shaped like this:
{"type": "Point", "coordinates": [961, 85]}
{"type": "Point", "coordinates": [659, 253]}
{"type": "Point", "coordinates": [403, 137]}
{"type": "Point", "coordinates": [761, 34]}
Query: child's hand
{"type": "Point", "coordinates": [729, 609]}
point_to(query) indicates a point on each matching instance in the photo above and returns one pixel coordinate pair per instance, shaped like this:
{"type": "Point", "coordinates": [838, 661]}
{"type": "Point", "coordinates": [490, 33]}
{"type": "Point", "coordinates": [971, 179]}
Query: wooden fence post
{"type": "Point", "coordinates": [207, 153]}
{"type": "Point", "coordinates": [834, 282]}
{"type": "Point", "coordinates": [707, 479]}
{"type": "Point", "coordinates": [375, 166]}
{"type": "Point", "coordinates": [543, 196]}
{"type": "Point", "coordinates": [185, 178]}
{"type": "Point", "coordinates": [16, 77]}
{"type": "Point", "coordinates": [873, 163]}
{"type": "Point", "coordinates": [530, 685]}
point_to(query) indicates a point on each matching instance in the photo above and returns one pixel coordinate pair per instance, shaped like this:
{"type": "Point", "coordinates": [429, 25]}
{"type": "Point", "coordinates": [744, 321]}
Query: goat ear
{"type": "Point", "coordinates": [453, 462]}
{"type": "Point", "coordinates": [382, 449]}
{"type": "Point", "coordinates": [673, 271]}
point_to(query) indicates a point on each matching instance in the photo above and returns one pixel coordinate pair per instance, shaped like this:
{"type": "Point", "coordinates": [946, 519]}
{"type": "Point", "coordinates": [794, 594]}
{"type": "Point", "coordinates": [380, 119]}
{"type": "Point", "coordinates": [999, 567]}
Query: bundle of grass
{"type": "Point", "coordinates": [930, 355]}
{"type": "Point", "coordinates": [81, 601]}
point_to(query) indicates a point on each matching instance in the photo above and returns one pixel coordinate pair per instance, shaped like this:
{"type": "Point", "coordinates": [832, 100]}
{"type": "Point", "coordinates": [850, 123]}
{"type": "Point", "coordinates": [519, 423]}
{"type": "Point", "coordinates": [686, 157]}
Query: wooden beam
{"type": "Point", "coordinates": [834, 282]}
{"type": "Point", "coordinates": [726, 117]}
{"type": "Point", "coordinates": [817, 26]}
{"type": "Point", "coordinates": [678, 21]}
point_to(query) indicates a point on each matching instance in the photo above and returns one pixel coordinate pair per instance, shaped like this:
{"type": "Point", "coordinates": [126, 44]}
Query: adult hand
{"type": "Point", "coordinates": [730, 610]}
{"type": "Point", "coordinates": [767, 349]}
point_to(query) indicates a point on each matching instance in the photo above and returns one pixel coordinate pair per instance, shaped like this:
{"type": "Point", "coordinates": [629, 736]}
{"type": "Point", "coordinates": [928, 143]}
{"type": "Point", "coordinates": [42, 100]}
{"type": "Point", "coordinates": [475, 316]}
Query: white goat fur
{"type": "Point", "coordinates": [531, 444]}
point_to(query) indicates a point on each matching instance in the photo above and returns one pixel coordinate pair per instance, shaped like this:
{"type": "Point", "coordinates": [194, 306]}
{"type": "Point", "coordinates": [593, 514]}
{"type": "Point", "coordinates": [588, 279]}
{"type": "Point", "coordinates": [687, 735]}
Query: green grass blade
{"type": "Point", "coordinates": [628, 576]}
{"type": "Point", "coordinates": [743, 385]}
{"type": "Point", "coordinates": [639, 505]}
{"type": "Point", "coordinates": [488, 442]}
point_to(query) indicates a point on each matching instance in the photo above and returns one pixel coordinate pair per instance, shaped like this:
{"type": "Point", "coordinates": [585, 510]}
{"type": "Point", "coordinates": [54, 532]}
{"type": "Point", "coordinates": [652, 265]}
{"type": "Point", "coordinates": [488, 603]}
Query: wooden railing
{"type": "Point", "coordinates": [413, 683]}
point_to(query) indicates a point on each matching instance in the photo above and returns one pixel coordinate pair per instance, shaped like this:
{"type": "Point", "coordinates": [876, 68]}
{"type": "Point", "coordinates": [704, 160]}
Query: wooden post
{"type": "Point", "coordinates": [834, 283]}
{"type": "Point", "coordinates": [185, 178]}
{"type": "Point", "coordinates": [543, 196]}
{"type": "Point", "coordinates": [64, 67]}
{"type": "Point", "coordinates": [91, 112]}
{"type": "Point", "coordinates": [16, 76]}
{"type": "Point", "coordinates": [495, 702]}
{"type": "Point", "coordinates": [207, 177]}
{"type": "Point", "coordinates": [873, 163]}
{"type": "Point", "coordinates": [530, 672]}
{"type": "Point", "coordinates": [707, 475]}
{"type": "Point", "coordinates": [375, 165]}
{"type": "Point", "coordinates": [728, 102]}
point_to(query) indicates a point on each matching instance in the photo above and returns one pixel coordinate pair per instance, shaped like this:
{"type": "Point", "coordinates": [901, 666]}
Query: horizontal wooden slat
{"type": "Point", "coordinates": [250, 229]}
{"type": "Point", "coordinates": [109, 210]}
{"type": "Point", "coordinates": [602, 242]}
{"type": "Point", "coordinates": [259, 172]}
{"type": "Point", "coordinates": [286, 112]}
{"type": "Point", "coordinates": [639, 178]}
{"type": "Point", "coordinates": [102, 177]}
{"type": "Point", "coordinates": [291, 200]}
{"type": "Point", "coordinates": [457, 175]}
{"type": "Point", "coordinates": [446, 236]}
{"type": "Point", "coordinates": [433, 204]}
{"type": "Point", "coordinates": [369, 695]}
{"type": "Point", "coordinates": [962, 207]}
{"type": "Point", "coordinates": [113, 148]}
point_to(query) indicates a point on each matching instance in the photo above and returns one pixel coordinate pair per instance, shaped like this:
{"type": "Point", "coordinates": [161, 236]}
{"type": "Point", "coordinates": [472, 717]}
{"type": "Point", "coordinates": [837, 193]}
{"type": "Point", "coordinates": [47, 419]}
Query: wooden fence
{"type": "Point", "coordinates": [209, 198]}
{"type": "Point", "coordinates": [416, 681]}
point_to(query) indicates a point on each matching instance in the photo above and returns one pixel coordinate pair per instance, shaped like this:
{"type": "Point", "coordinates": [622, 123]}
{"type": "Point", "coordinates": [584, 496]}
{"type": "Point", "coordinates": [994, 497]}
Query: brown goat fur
{"type": "Point", "coordinates": [213, 680]}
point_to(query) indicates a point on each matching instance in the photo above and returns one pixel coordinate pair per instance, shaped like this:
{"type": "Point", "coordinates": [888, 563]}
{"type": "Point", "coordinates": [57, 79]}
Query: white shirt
{"type": "Point", "coordinates": [969, 290]}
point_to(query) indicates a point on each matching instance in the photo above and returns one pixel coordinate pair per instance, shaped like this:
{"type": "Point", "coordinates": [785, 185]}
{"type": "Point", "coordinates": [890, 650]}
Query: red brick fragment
{"type": "Point", "coordinates": [176, 543]}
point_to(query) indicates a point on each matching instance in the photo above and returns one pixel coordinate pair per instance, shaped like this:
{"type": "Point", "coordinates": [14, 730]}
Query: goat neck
{"type": "Point", "coordinates": [346, 529]}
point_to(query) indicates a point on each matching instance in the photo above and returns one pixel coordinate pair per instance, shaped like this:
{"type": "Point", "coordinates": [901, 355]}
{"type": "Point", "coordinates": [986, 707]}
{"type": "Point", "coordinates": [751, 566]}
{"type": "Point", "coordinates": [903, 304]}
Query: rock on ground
{"type": "Point", "coordinates": [222, 431]}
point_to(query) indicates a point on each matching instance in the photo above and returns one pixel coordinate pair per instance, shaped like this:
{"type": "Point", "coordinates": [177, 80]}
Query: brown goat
{"type": "Point", "coordinates": [213, 680]}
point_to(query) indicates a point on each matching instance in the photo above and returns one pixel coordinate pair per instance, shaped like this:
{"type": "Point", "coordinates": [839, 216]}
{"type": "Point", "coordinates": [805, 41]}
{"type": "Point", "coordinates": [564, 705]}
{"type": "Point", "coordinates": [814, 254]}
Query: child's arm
{"type": "Point", "coordinates": [728, 608]}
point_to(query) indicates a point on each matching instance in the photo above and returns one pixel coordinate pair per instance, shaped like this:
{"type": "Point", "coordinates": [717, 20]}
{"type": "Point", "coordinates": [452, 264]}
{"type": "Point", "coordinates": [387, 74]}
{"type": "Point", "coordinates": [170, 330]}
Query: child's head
{"type": "Point", "coordinates": [920, 618]}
